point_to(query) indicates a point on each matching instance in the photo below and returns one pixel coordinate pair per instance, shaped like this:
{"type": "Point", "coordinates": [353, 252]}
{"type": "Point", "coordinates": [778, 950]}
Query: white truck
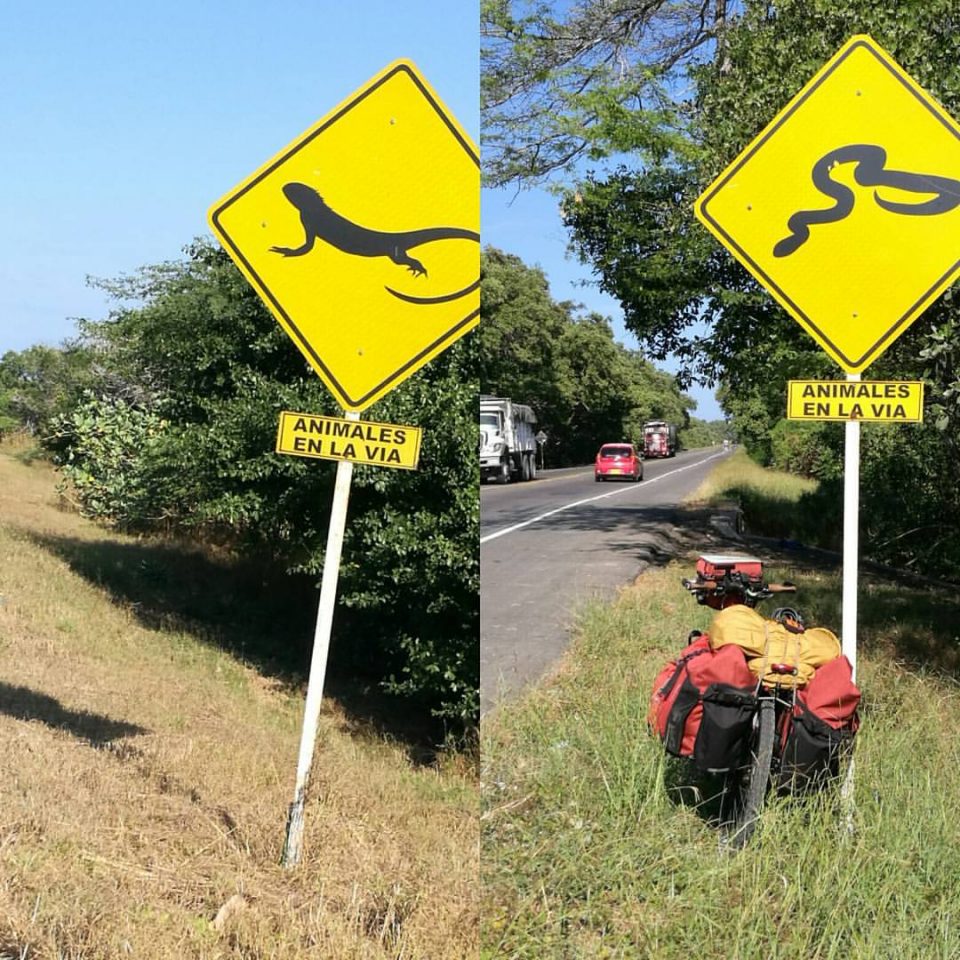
{"type": "Point", "coordinates": [508, 443]}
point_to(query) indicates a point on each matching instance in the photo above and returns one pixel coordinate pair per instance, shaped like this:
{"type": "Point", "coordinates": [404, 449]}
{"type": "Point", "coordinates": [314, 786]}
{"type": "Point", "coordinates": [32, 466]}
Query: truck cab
{"type": "Point", "coordinates": [659, 439]}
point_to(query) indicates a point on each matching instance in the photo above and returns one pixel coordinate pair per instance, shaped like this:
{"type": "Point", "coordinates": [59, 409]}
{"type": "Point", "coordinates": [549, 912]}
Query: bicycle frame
{"type": "Point", "coordinates": [723, 581]}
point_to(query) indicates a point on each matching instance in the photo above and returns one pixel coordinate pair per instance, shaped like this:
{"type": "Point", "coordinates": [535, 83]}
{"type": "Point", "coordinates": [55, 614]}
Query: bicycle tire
{"type": "Point", "coordinates": [756, 781]}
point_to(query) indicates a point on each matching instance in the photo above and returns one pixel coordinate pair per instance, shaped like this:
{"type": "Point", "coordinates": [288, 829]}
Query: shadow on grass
{"type": "Point", "coordinates": [814, 518]}
{"type": "Point", "coordinates": [704, 794]}
{"type": "Point", "coordinates": [701, 793]}
{"type": "Point", "coordinates": [22, 703]}
{"type": "Point", "coordinates": [259, 614]}
{"type": "Point", "coordinates": [918, 626]}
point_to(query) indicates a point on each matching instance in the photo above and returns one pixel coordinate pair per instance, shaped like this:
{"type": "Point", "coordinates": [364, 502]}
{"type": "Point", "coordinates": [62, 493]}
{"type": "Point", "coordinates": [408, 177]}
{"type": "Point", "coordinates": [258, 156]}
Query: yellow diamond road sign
{"type": "Point", "coordinates": [846, 207]}
{"type": "Point", "coordinates": [362, 236]}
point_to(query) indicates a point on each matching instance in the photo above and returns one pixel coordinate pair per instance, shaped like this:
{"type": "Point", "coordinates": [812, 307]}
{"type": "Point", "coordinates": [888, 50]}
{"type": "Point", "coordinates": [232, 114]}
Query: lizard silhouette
{"type": "Point", "coordinates": [320, 222]}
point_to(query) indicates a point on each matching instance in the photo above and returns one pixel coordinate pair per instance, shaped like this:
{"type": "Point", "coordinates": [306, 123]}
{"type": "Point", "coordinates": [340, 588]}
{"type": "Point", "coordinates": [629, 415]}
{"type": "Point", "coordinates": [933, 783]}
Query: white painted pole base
{"type": "Point", "coordinates": [318, 662]}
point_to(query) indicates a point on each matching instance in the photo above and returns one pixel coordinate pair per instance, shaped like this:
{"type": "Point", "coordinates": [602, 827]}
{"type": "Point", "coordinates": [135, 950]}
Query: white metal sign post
{"type": "Point", "coordinates": [851, 536]}
{"type": "Point", "coordinates": [323, 235]}
{"type": "Point", "coordinates": [318, 662]}
{"type": "Point", "coordinates": [851, 572]}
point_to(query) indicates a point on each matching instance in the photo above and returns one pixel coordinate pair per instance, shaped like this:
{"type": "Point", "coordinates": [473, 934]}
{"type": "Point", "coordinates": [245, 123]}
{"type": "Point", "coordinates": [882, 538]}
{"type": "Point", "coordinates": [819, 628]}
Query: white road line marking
{"type": "Point", "coordinates": [541, 479]}
{"type": "Point", "coordinates": [603, 496]}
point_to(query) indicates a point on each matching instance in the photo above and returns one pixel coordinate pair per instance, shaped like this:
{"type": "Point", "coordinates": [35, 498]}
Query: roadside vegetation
{"type": "Point", "coordinates": [585, 387]}
{"type": "Point", "coordinates": [149, 740]}
{"type": "Point", "coordinates": [739, 476]}
{"type": "Point", "coordinates": [595, 843]}
{"type": "Point", "coordinates": [774, 503]}
{"type": "Point", "coordinates": [163, 416]}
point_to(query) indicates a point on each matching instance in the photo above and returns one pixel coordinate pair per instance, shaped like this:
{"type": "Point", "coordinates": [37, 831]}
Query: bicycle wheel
{"type": "Point", "coordinates": [756, 778]}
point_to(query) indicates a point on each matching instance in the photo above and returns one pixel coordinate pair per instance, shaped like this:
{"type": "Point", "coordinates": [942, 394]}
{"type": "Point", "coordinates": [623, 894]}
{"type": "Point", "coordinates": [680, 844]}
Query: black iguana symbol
{"type": "Point", "coordinates": [868, 172]}
{"type": "Point", "coordinates": [322, 223]}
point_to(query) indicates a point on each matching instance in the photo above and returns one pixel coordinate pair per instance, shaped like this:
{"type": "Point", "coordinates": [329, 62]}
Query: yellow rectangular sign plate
{"type": "Point", "coordinates": [360, 441]}
{"type": "Point", "coordinates": [875, 401]}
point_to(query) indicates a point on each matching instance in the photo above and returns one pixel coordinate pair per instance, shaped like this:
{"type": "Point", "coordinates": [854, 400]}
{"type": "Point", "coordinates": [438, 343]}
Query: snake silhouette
{"type": "Point", "coordinates": [869, 172]}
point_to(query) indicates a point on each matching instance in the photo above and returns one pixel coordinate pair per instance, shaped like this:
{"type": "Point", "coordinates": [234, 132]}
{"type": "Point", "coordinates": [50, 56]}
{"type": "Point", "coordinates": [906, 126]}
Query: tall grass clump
{"type": "Point", "coordinates": [595, 844]}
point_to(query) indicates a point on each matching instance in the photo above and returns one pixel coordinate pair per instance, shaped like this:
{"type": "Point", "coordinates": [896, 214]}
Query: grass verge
{"type": "Point", "coordinates": [595, 844]}
{"type": "Point", "coordinates": [146, 769]}
{"type": "Point", "coordinates": [774, 503]}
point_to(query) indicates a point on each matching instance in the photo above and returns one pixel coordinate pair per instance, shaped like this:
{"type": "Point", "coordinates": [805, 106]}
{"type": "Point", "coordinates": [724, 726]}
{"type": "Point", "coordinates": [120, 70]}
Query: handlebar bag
{"type": "Point", "coordinates": [821, 727]}
{"type": "Point", "coordinates": [703, 704]}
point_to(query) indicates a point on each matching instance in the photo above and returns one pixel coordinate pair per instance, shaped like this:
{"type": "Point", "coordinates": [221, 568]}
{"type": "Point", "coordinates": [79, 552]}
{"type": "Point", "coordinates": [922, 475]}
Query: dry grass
{"type": "Point", "coordinates": [738, 475]}
{"type": "Point", "coordinates": [145, 777]}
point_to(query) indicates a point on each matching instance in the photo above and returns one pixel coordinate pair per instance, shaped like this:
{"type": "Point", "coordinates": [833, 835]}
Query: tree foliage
{"type": "Point", "coordinates": [177, 434]}
{"type": "Point", "coordinates": [40, 383]}
{"type": "Point", "coordinates": [599, 78]}
{"type": "Point", "coordinates": [586, 388]}
{"type": "Point", "coordinates": [706, 433]}
{"type": "Point", "coordinates": [108, 447]}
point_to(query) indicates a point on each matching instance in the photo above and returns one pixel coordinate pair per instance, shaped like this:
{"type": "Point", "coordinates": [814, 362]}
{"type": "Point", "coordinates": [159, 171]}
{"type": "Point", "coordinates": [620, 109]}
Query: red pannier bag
{"type": "Point", "coordinates": [703, 705]}
{"type": "Point", "coordinates": [821, 727]}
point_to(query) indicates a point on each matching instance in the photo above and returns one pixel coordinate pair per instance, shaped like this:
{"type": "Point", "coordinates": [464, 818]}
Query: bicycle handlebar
{"type": "Point", "coordinates": [711, 586]}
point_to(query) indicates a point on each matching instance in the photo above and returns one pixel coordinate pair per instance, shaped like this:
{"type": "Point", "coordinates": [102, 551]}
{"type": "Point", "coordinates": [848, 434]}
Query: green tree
{"type": "Point", "coordinates": [586, 387]}
{"type": "Point", "coordinates": [521, 329]}
{"type": "Point", "coordinates": [704, 433]}
{"type": "Point", "coordinates": [108, 447]}
{"type": "Point", "coordinates": [39, 383]}
{"type": "Point", "coordinates": [562, 84]}
{"type": "Point", "coordinates": [179, 436]}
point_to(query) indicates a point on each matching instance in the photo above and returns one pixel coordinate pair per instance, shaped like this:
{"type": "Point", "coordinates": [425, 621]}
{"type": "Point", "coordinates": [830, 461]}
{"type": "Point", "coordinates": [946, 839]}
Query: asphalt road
{"type": "Point", "coordinates": [549, 545]}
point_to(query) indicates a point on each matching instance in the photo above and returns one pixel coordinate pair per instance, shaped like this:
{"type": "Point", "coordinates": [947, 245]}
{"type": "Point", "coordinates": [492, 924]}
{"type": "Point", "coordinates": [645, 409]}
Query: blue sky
{"type": "Point", "coordinates": [121, 123]}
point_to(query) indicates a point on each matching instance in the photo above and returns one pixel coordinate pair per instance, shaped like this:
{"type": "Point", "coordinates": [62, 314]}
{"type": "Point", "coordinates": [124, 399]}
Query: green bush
{"type": "Point", "coordinates": [194, 454]}
{"type": "Point", "coordinates": [807, 449]}
{"type": "Point", "coordinates": [108, 449]}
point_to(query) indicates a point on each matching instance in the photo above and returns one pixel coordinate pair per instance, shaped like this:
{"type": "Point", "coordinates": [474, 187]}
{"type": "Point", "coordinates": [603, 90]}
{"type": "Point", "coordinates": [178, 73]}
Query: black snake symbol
{"type": "Point", "coordinates": [868, 172]}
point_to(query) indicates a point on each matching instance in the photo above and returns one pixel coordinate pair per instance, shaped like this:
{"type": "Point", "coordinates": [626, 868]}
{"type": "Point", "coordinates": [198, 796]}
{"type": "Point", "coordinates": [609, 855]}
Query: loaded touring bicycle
{"type": "Point", "coordinates": [765, 702]}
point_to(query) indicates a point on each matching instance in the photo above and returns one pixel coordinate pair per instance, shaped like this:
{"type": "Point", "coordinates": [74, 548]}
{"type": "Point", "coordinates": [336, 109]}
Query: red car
{"type": "Point", "coordinates": [618, 460]}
